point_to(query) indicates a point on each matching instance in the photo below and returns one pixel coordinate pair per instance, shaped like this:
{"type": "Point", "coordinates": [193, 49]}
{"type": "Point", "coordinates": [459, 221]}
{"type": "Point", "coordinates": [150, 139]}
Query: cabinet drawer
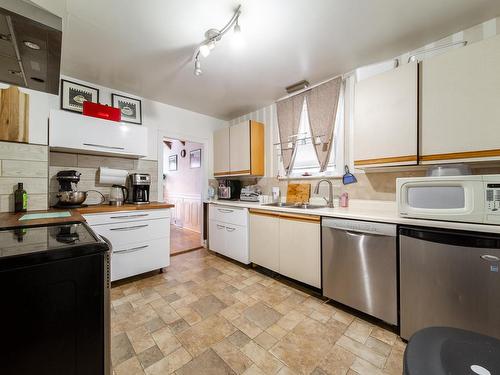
{"type": "Point", "coordinates": [134, 232]}
{"type": "Point", "coordinates": [217, 237]}
{"type": "Point", "coordinates": [129, 260]}
{"type": "Point", "coordinates": [236, 243]}
{"type": "Point", "coordinates": [230, 215]}
{"type": "Point", "coordinates": [126, 216]}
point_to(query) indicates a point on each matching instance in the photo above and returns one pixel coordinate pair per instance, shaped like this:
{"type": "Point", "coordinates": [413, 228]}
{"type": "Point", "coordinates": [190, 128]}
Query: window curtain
{"type": "Point", "coordinates": [322, 105]}
{"type": "Point", "coordinates": [288, 111]}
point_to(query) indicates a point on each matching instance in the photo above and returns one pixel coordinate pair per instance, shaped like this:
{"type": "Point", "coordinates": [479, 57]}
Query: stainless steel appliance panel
{"type": "Point", "coordinates": [449, 278]}
{"type": "Point", "coordinates": [360, 266]}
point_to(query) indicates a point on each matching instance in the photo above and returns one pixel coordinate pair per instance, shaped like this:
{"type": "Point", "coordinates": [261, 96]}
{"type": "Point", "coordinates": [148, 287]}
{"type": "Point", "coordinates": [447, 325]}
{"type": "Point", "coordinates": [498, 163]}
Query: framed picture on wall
{"type": "Point", "coordinates": [172, 163]}
{"type": "Point", "coordinates": [195, 158]}
{"type": "Point", "coordinates": [130, 108]}
{"type": "Point", "coordinates": [74, 94]}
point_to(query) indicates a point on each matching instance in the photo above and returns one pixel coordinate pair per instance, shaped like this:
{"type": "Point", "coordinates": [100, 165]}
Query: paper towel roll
{"type": "Point", "coordinates": [112, 176]}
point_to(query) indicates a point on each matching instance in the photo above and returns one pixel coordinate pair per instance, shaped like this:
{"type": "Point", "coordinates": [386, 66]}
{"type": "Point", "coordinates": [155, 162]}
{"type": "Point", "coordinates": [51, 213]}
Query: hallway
{"type": "Point", "coordinates": [182, 240]}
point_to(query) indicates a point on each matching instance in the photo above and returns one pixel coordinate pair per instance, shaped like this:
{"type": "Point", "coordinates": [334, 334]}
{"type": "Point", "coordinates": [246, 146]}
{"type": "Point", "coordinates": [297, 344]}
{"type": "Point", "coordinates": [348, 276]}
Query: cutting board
{"type": "Point", "coordinates": [14, 115]}
{"type": "Point", "coordinates": [298, 193]}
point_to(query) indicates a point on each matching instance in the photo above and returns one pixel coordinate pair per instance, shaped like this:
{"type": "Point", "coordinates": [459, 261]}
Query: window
{"type": "Point", "coordinates": [306, 162]}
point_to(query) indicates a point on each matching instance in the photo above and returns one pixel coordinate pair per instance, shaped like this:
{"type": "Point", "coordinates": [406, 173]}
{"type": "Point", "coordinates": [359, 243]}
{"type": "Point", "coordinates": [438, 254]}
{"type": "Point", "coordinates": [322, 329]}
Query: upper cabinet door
{"type": "Point", "coordinates": [386, 119]}
{"type": "Point", "coordinates": [221, 152]}
{"type": "Point", "coordinates": [76, 133]}
{"type": "Point", "coordinates": [461, 104]}
{"type": "Point", "coordinates": [239, 149]}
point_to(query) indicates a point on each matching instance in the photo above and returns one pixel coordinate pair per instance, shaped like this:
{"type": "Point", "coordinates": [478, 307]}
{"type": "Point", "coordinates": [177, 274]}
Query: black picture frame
{"type": "Point", "coordinates": [172, 163]}
{"type": "Point", "coordinates": [135, 105]}
{"type": "Point", "coordinates": [68, 103]}
{"type": "Point", "coordinates": [195, 163]}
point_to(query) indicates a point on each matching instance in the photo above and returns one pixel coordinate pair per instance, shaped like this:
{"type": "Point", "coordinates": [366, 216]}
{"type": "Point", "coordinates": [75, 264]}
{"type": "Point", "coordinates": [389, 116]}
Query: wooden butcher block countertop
{"type": "Point", "coordinates": [103, 208]}
{"type": "Point", "coordinates": [11, 220]}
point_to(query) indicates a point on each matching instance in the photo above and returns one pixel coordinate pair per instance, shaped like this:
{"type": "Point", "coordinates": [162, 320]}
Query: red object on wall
{"type": "Point", "coordinates": [101, 111]}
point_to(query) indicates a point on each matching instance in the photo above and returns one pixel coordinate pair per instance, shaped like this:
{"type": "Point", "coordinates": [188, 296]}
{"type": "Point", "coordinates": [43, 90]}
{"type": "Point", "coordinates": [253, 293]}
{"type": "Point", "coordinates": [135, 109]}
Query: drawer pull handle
{"type": "Point", "coordinates": [131, 250]}
{"type": "Point", "coordinates": [104, 146]}
{"type": "Point", "coordinates": [220, 226]}
{"type": "Point", "coordinates": [230, 229]}
{"type": "Point", "coordinates": [128, 216]}
{"type": "Point", "coordinates": [225, 211]}
{"type": "Point", "coordinates": [135, 227]}
{"type": "Point", "coordinates": [490, 258]}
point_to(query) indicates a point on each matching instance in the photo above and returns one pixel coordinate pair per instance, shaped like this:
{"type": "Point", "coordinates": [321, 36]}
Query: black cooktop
{"type": "Point", "coordinates": [24, 246]}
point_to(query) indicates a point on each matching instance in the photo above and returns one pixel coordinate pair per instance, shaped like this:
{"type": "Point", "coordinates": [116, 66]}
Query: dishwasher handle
{"type": "Point", "coordinates": [453, 237]}
{"type": "Point", "coordinates": [354, 227]}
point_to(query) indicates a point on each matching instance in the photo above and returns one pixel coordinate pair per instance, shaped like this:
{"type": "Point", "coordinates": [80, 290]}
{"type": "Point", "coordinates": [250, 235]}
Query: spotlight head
{"type": "Point", "coordinates": [197, 68]}
{"type": "Point", "coordinates": [237, 28]}
{"type": "Point", "coordinates": [205, 50]}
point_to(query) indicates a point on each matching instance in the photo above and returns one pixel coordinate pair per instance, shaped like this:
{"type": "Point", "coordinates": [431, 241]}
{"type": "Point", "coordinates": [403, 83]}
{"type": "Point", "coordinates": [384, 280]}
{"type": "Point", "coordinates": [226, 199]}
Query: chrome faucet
{"type": "Point", "coordinates": [329, 201]}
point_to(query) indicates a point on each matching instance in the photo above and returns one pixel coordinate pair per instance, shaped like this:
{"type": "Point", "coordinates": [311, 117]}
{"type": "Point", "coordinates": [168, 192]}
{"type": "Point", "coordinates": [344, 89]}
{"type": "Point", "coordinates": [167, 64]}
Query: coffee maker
{"type": "Point", "coordinates": [139, 188]}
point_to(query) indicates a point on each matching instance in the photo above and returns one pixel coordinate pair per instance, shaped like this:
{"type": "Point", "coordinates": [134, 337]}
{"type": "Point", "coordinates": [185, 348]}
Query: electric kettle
{"type": "Point", "coordinates": [118, 195]}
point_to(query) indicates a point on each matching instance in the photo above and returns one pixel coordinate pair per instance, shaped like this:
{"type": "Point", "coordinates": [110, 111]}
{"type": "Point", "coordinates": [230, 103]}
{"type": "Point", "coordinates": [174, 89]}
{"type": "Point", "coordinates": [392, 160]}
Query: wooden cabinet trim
{"type": "Point", "coordinates": [247, 171]}
{"type": "Point", "coordinates": [461, 155]}
{"type": "Point", "coordinates": [394, 159]}
{"type": "Point", "coordinates": [299, 217]}
{"type": "Point", "coordinates": [287, 216]}
{"type": "Point", "coordinates": [257, 148]}
{"type": "Point", "coordinates": [254, 211]}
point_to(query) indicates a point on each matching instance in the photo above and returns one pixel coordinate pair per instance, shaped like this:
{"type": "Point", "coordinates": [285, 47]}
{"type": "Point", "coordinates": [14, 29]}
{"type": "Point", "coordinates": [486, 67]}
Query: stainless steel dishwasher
{"type": "Point", "coordinates": [449, 278]}
{"type": "Point", "coordinates": [359, 265]}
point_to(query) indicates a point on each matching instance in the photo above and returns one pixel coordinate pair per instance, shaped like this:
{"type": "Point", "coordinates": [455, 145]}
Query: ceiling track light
{"type": "Point", "coordinates": [212, 36]}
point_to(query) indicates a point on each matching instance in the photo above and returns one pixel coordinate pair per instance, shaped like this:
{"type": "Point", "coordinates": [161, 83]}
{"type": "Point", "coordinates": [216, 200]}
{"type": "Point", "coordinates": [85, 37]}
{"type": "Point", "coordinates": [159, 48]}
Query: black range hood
{"type": "Point", "coordinates": [30, 46]}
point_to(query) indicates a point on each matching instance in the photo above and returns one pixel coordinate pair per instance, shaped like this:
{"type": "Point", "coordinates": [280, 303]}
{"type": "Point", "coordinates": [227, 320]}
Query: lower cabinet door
{"type": "Point", "coordinates": [264, 240]}
{"type": "Point", "coordinates": [216, 237]}
{"type": "Point", "coordinates": [129, 260]}
{"type": "Point", "coordinates": [236, 243]}
{"type": "Point", "coordinates": [299, 251]}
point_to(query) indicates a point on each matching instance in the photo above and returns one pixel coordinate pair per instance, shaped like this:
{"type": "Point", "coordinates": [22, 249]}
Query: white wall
{"type": "Point", "coordinates": [185, 180]}
{"type": "Point", "coordinates": [156, 116]}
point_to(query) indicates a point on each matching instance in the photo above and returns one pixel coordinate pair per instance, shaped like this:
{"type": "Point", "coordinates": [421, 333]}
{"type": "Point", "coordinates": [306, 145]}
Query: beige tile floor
{"type": "Point", "coordinates": [182, 240]}
{"type": "Point", "coordinates": [207, 315]}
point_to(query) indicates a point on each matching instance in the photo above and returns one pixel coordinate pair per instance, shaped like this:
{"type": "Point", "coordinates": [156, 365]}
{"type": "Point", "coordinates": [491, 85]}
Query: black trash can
{"type": "Point", "coordinates": [451, 351]}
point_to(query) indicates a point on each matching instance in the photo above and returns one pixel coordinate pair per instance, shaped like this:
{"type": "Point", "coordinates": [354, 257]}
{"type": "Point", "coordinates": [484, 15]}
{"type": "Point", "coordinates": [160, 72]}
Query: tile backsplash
{"type": "Point", "coordinates": [26, 163]}
{"type": "Point", "coordinates": [371, 186]}
{"type": "Point", "coordinates": [88, 166]}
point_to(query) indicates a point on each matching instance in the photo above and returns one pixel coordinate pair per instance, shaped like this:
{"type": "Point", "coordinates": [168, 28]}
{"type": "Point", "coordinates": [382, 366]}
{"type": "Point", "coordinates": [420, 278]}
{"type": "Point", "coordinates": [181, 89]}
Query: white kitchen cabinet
{"type": "Point", "coordinates": [386, 119]}
{"type": "Point", "coordinates": [217, 236]}
{"type": "Point", "coordinates": [140, 240]}
{"type": "Point", "coordinates": [239, 150]}
{"type": "Point", "coordinates": [460, 104]}
{"type": "Point", "coordinates": [287, 243]}
{"type": "Point", "coordinates": [299, 248]}
{"type": "Point", "coordinates": [228, 232]}
{"type": "Point", "coordinates": [84, 134]}
{"type": "Point", "coordinates": [264, 239]}
{"type": "Point", "coordinates": [221, 152]}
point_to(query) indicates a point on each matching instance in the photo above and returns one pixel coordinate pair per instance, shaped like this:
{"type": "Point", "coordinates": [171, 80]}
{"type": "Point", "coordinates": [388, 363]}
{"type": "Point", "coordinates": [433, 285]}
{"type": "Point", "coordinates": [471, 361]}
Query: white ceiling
{"type": "Point", "coordinates": [144, 47]}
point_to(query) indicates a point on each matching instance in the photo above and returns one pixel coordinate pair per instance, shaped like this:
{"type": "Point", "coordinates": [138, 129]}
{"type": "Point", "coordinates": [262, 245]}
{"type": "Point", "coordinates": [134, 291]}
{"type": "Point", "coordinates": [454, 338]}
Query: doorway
{"type": "Point", "coordinates": [182, 186]}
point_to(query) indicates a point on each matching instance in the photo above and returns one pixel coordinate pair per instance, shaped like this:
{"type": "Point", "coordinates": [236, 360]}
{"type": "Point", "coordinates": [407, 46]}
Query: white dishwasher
{"type": "Point", "coordinates": [359, 266]}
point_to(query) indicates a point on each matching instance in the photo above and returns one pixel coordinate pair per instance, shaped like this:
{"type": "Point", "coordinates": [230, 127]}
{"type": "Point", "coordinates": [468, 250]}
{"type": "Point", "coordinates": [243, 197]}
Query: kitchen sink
{"type": "Point", "coordinates": [295, 205]}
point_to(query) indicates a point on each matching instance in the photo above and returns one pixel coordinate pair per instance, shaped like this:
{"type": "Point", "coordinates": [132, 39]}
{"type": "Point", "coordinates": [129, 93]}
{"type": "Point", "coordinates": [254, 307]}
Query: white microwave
{"type": "Point", "coordinates": [471, 199]}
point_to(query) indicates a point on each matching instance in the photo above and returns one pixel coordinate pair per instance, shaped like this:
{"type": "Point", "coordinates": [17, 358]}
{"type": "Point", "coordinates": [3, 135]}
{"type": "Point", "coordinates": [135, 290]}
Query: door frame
{"type": "Point", "coordinates": [162, 133]}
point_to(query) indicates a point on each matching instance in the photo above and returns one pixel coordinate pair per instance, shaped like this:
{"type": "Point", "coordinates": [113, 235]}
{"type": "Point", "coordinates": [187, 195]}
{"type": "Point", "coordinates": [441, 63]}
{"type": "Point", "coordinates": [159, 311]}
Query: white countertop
{"type": "Point", "coordinates": [369, 210]}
